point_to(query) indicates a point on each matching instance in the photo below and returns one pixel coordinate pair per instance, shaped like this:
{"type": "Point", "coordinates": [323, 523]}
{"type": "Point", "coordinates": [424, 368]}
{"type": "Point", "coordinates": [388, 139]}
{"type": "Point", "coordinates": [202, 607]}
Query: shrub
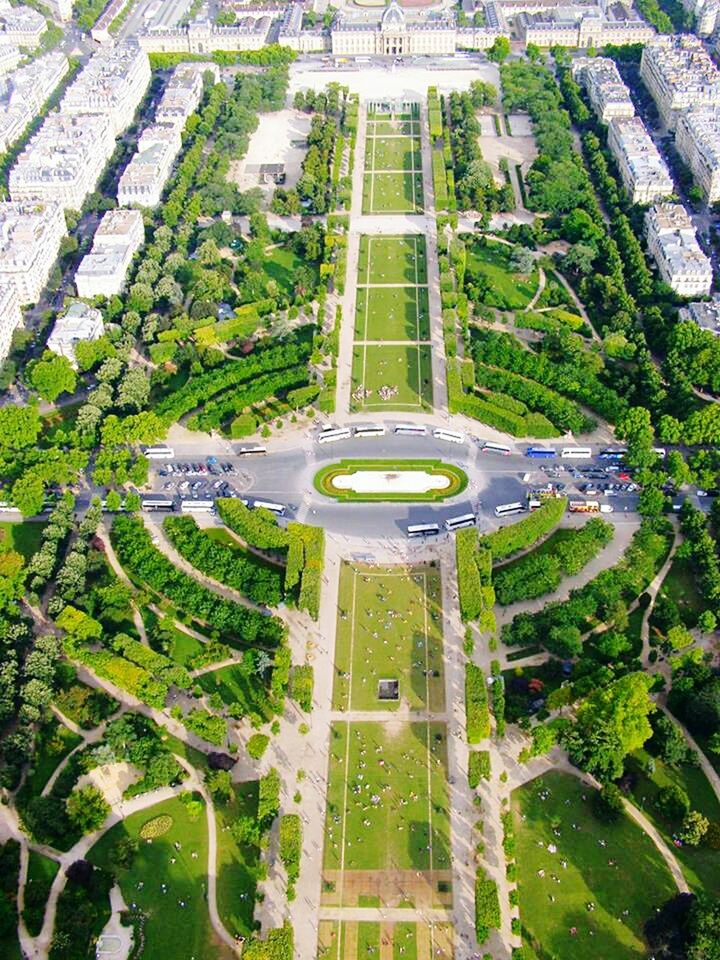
{"type": "Point", "coordinates": [290, 847]}
{"type": "Point", "coordinates": [301, 686]}
{"type": "Point", "coordinates": [476, 704]}
{"type": "Point", "coordinates": [257, 745]}
{"type": "Point", "coordinates": [478, 767]}
{"type": "Point", "coordinates": [207, 726]}
{"type": "Point", "coordinates": [673, 802]}
{"type": "Point", "coordinates": [487, 906]}
{"type": "Point", "coordinates": [156, 827]}
{"type": "Point", "coordinates": [607, 804]}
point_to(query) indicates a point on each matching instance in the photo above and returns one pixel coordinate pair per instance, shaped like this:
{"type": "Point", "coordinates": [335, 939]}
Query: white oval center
{"type": "Point", "coordinates": [381, 481]}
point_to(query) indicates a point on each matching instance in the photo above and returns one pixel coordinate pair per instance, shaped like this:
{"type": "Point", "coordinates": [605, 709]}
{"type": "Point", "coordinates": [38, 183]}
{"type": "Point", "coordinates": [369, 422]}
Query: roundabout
{"type": "Point", "coordinates": [406, 481]}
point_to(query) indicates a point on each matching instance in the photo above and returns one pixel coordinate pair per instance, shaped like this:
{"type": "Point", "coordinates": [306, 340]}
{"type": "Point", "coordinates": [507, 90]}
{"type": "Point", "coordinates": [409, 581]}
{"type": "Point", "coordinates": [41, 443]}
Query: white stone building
{"type": "Point", "coordinates": [30, 235]}
{"type": "Point", "coordinates": [79, 322]}
{"type": "Point", "coordinates": [10, 317]}
{"type": "Point", "coordinates": [705, 313]}
{"type": "Point", "coordinates": [113, 83]}
{"type": "Point", "coordinates": [33, 84]}
{"type": "Point", "coordinates": [644, 173]}
{"type": "Point", "coordinates": [679, 74]}
{"type": "Point", "coordinates": [21, 26]}
{"type": "Point", "coordinates": [706, 15]}
{"type": "Point", "coordinates": [60, 9]}
{"type": "Point", "coordinates": [183, 92]}
{"type": "Point", "coordinates": [673, 244]}
{"type": "Point", "coordinates": [580, 27]}
{"type": "Point", "coordinates": [10, 57]}
{"type": "Point", "coordinates": [249, 33]}
{"type": "Point", "coordinates": [64, 160]}
{"type": "Point", "coordinates": [607, 93]}
{"type": "Point", "coordinates": [118, 237]}
{"type": "Point", "coordinates": [145, 176]}
{"type": "Point", "coordinates": [395, 33]}
{"type": "Point", "coordinates": [697, 139]}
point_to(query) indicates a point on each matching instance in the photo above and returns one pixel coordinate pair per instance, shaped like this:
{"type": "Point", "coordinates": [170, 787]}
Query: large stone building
{"type": "Point", "coordinates": [582, 27]}
{"type": "Point", "coordinates": [79, 322]}
{"type": "Point", "coordinates": [393, 34]}
{"type": "Point", "coordinates": [202, 36]}
{"type": "Point", "coordinates": [10, 317]}
{"type": "Point", "coordinates": [679, 74]}
{"type": "Point", "coordinates": [144, 177]}
{"type": "Point", "coordinates": [644, 173]}
{"type": "Point", "coordinates": [673, 244]}
{"type": "Point", "coordinates": [697, 139]}
{"type": "Point", "coordinates": [21, 26]}
{"type": "Point", "coordinates": [608, 95]}
{"type": "Point", "coordinates": [117, 239]}
{"type": "Point", "coordinates": [30, 235]}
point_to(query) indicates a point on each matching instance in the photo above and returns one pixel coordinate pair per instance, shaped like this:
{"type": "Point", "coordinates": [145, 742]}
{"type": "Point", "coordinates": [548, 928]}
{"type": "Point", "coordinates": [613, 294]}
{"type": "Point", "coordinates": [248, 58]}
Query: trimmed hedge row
{"type": "Point", "coordinates": [526, 532]}
{"type": "Point", "coordinates": [128, 676]}
{"type": "Point", "coordinates": [476, 704]}
{"type": "Point", "coordinates": [290, 849]}
{"type": "Point", "coordinates": [146, 564]}
{"type": "Point", "coordinates": [234, 400]}
{"type": "Point", "coordinates": [487, 906]}
{"type": "Point", "coordinates": [478, 767]}
{"type": "Point", "coordinates": [258, 528]}
{"type": "Point", "coordinates": [237, 568]}
{"type": "Point", "coordinates": [302, 680]}
{"type": "Point", "coordinates": [474, 572]}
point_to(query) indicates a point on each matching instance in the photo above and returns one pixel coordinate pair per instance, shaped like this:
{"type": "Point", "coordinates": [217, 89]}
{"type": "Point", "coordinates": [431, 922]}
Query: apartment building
{"type": "Point", "coordinates": [64, 160]}
{"type": "Point", "coordinates": [10, 57]}
{"type": "Point", "coordinates": [706, 15]}
{"type": "Point", "coordinates": [30, 235]}
{"type": "Point", "coordinates": [607, 93]}
{"type": "Point", "coordinates": [10, 317]}
{"type": "Point", "coordinates": [79, 322]}
{"type": "Point", "coordinates": [113, 83]}
{"type": "Point", "coordinates": [673, 244]}
{"type": "Point", "coordinates": [183, 92]}
{"type": "Point", "coordinates": [697, 139]}
{"type": "Point", "coordinates": [117, 239]}
{"type": "Point", "coordinates": [706, 314]}
{"type": "Point", "coordinates": [33, 84]}
{"type": "Point", "coordinates": [21, 26]}
{"type": "Point", "coordinates": [145, 176]}
{"type": "Point", "coordinates": [60, 9]}
{"type": "Point", "coordinates": [582, 27]}
{"type": "Point", "coordinates": [644, 173]}
{"type": "Point", "coordinates": [679, 74]}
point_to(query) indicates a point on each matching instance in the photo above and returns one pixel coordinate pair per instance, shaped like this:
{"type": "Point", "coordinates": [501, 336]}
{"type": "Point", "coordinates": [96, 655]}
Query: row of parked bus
{"type": "Point", "coordinates": [168, 505]}
{"type": "Point", "coordinates": [334, 434]}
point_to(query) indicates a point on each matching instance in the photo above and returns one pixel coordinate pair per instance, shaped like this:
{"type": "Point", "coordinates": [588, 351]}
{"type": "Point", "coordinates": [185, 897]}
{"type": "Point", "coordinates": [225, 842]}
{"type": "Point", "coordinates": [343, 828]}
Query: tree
{"type": "Point", "coordinates": [52, 376]}
{"type": "Point", "coordinates": [19, 427]}
{"type": "Point", "coordinates": [635, 427]}
{"type": "Point", "coordinates": [607, 804]}
{"type": "Point", "coordinates": [611, 723]}
{"type": "Point", "coordinates": [500, 50]}
{"type": "Point", "coordinates": [87, 808]}
{"type": "Point", "coordinates": [694, 828]}
{"type": "Point", "coordinates": [667, 742]}
{"type": "Point", "coordinates": [113, 501]}
{"type": "Point", "coordinates": [134, 389]}
{"type": "Point", "coordinates": [707, 621]}
{"type": "Point", "coordinates": [219, 783]}
{"type": "Point", "coordinates": [673, 802]}
{"type": "Point", "coordinates": [704, 930]}
{"type": "Point", "coordinates": [521, 260]}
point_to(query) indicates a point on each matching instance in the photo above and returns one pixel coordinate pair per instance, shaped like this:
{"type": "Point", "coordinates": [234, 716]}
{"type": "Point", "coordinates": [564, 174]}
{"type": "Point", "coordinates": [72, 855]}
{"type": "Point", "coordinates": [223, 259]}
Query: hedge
{"type": "Point", "coordinates": [487, 906]}
{"type": "Point", "coordinates": [146, 564]}
{"type": "Point", "coordinates": [236, 399]}
{"type": "Point", "coordinates": [128, 676]}
{"type": "Point", "coordinates": [307, 546]}
{"type": "Point", "coordinates": [268, 798]}
{"type": "Point", "coordinates": [302, 680]}
{"type": "Point", "coordinates": [478, 767]}
{"type": "Point", "coordinates": [290, 848]}
{"type": "Point", "coordinates": [518, 536]}
{"type": "Point", "coordinates": [469, 585]}
{"type": "Point", "coordinates": [476, 704]}
{"type": "Point", "coordinates": [258, 528]}
{"type": "Point", "coordinates": [237, 568]}
{"type": "Point", "coordinates": [207, 726]}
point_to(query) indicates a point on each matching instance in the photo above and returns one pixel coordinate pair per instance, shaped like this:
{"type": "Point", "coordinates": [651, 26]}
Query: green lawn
{"type": "Point", "coordinates": [236, 685]}
{"type": "Point", "coordinates": [405, 370]}
{"type": "Point", "coordinates": [636, 880]}
{"type": "Point", "coordinates": [368, 939]}
{"type": "Point", "coordinates": [396, 260]}
{"type": "Point", "coordinates": [405, 941]}
{"type": "Point", "coordinates": [236, 864]}
{"type": "Point", "coordinates": [392, 193]}
{"type": "Point", "coordinates": [392, 313]}
{"type": "Point", "coordinates": [183, 647]}
{"type": "Point", "coordinates": [393, 812]}
{"type": "Point", "coordinates": [281, 264]}
{"type": "Point", "coordinates": [171, 930]}
{"type": "Point", "coordinates": [389, 627]}
{"type": "Point", "coordinates": [397, 152]}
{"type": "Point", "coordinates": [41, 873]}
{"type": "Point", "coordinates": [680, 585]}
{"type": "Point", "coordinates": [54, 743]}
{"type": "Point", "coordinates": [506, 289]}
{"type": "Point", "coordinates": [22, 537]}
{"type": "Point", "coordinates": [701, 865]}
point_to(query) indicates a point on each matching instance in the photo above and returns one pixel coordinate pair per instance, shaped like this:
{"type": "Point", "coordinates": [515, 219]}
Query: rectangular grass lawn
{"type": "Point", "coordinates": [393, 153]}
{"type": "Point", "coordinates": [409, 651]}
{"type": "Point", "coordinates": [393, 193]}
{"type": "Point", "coordinates": [626, 874]}
{"type": "Point", "coordinates": [392, 313]}
{"type": "Point", "coordinates": [236, 862]}
{"type": "Point", "coordinates": [395, 260]}
{"type": "Point", "coordinates": [379, 128]}
{"type": "Point", "coordinates": [387, 797]}
{"type": "Point", "coordinates": [407, 369]}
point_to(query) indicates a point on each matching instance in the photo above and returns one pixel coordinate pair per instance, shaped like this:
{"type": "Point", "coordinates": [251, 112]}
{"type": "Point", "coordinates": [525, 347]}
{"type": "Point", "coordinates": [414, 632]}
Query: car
{"type": "Point", "coordinates": [226, 467]}
{"type": "Point", "coordinates": [202, 468]}
{"type": "Point", "coordinates": [184, 485]}
{"type": "Point", "coordinates": [218, 485]}
{"type": "Point", "coordinates": [213, 471]}
{"type": "Point", "coordinates": [623, 476]}
{"type": "Point", "coordinates": [211, 461]}
{"type": "Point", "coordinates": [701, 493]}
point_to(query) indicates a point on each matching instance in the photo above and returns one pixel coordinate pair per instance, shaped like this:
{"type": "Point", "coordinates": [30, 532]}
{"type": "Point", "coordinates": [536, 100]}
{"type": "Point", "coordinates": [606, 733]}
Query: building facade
{"type": "Point", "coordinates": [79, 322]}
{"type": "Point", "coordinates": [644, 173]}
{"type": "Point", "coordinates": [145, 176]}
{"type": "Point", "coordinates": [706, 314]}
{"type": "Point", "coordinates": [21, 26]}
{"type": "Point", "coordinates": [697, 139]}
{"type": "Point", "coordinates": [202, 36]}
{"type": "Point", "coordinates": [10, 317]}
{"type": "Point", "coordinates": [30, 235]}
{"type": "Point", "coordinates": [679, 74]}
{"type": "Point", "coordinates": [673, 244]}
{"type": "Point", "coordinates": [608, 95]}
{"type": "Point", "coordinates": [103, 270]}
{"type": "Point", "coordinates": [393, 35]}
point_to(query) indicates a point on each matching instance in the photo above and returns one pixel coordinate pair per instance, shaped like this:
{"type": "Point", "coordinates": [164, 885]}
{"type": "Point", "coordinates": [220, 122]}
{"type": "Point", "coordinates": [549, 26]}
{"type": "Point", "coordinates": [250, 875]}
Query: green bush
{"type": "Point", "coordinates": [478, 767]}
{"type": "Point", "coordinates": [487, 906]}
{"type": "Point", "coordinates": [526, 532]}
{"type": "Point", "coordinates": [257, 745]}
{"type": "Point", "coordinates": [207, 726]}
{"type": "Point", "coordinates": [290, 847]}
{"type": "Point", "coordinates": [301, 686]}
{"type": "Point", "coordinates": [476, 704]}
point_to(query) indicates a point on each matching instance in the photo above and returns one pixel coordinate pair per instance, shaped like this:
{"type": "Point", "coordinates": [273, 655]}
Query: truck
{"type": "Point", "coordinates": [589, 506]}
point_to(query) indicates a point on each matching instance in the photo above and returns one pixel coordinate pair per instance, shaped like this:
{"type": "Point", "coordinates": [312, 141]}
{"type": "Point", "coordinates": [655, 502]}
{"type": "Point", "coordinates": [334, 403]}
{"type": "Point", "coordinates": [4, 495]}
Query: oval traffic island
{"type": "Point", "coordinates": [407, 481]}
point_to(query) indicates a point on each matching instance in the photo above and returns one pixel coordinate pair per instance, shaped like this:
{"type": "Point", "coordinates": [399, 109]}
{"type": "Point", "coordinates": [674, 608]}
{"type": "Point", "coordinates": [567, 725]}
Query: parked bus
{"type": "Point", "coordinates": [423, 530]}
{"type": "Point", "coordinates": [449, 435]}
{"type": "Point", "coordinates": [540, 453]}
{"type": "Point", "coordinates": [576, 453]}
{"type": "Point", "coordinates": [277, 508]}
{"type": "Point", "coordinates": [457, 523]}
{"type": "Point", "coordinates": [330, 436]}
{"type": "Point", "coordinates": [490, 447]}
{"type": "Point", "coordinates": [411, 430]}
{"type": "Point", "coordinates": [589, 506]}
{"type": "Point", "coordinates": [373, 430]}
{"type": "Point", "coordinates": [534, 504]}
{"type": "Point", "coordinates": [613, 454]}
{"type": "Point", "coordinates": [508, 509]}
{"type": "Point", "coordinates": [159, 453]}
{"type": "Point", "coordinates": [155, 503]}
{"type": "Point", "coordinates": [248, 451]}
{"type": "Point", "coordinates": [197, 506]}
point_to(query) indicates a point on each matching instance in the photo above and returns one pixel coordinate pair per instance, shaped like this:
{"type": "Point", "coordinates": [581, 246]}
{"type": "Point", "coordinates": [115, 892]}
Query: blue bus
{"type": "Point", "coordinates": [610, 454]}
{"type": "Point", "coordinates": [540, 453]}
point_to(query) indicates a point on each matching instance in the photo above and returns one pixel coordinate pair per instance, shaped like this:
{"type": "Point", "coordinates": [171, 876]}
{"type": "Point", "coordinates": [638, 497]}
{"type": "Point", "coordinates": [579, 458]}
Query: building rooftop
{"type": "Point", "coordinates": [118, 227]}
{"type": "Point", "coordinates": [682, 62]}
{"type": "Point", "coordinates": [22, 227]}
{"type": "Point", "coordinates": [703, 123]}
{"type": "Point", "coordinates": [641, 154]}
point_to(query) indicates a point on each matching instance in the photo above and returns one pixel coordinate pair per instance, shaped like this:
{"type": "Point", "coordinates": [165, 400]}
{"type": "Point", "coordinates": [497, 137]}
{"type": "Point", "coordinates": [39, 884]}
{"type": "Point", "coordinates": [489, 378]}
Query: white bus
{"type": "Point", "coordinates": [490, 447]}
{"type": "Point", "coordinates": [248, 451]}
{"type": "Point", "coordinates": [277, 508]}
{"type": "Point", "coordinates": [449, 435]}
{"type": "Point", "coordinates": [330, 436]}
{"type": "Point", "coordinates": [576, 453]}
{"type": "Point", "coordinates": [373, 430]}
{"type": "Point", "coordinates": [159, 453]}
{"type": "Point", "coordinates": [457, 523]}
{"type": "Point", "coordinates": [155, 503]}
{"type": "Point", "coordinates": [508, 509]}
{"type": "Point", "coordinates": [423, 530]}
{"type": "Point", "coordinates": [411, 430]}
{"type": "Point", "coordinates": [197, 506]}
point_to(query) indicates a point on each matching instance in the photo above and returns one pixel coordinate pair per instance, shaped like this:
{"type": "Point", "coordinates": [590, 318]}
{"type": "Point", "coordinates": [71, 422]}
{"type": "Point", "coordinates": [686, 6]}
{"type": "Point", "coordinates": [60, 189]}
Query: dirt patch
{"type": "Point", "coordinates": [111, 779]}
{"type": "Point", "coordinates": [392, 888]}
{"type": "Point", "coordinates": [279, 138]}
